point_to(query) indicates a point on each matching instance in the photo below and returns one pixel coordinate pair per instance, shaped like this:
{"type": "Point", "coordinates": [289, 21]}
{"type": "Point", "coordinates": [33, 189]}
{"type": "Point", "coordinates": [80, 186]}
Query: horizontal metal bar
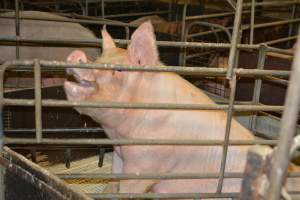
{"type": "Point", "coordinates": [271, 42]}
{"type": "Point", "coordinates": [105, 176]}
{"type": "Point", "coordinates": [276, 80]}
{"type": "Point", "coordinates": [272, 3]}
{"type": "Point", "coordinates": [55, 130]}
{"type": "Point", "coordinates": [138, 14]}
{"type": "Point", "coordinates": [93, 141]}
{"type": "Point", "coordinates": [163, 196]}
{"type": "Point", "coordinates": [181, 70]}
{"type": "Point", "coordinates": [98, 42]}
{"type": "Point", "coordinates": [98, 21]}
{"type": "Point", "coordinates": [152, 106]}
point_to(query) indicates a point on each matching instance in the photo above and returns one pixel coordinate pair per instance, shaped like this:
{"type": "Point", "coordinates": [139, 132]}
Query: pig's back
{"type": "Point", "coordinates": [42, 30]}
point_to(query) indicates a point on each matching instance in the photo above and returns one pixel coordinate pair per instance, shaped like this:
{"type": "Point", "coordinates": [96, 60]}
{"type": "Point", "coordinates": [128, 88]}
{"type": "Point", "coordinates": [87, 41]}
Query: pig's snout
{"type": "Point", "coordinates": [81, 75]}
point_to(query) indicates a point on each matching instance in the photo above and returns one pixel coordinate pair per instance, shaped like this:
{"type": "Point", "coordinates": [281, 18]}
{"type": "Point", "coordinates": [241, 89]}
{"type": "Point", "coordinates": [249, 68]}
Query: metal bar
{"type": "Point", "coordinates": [180, 70]}
{"type": "Point", "coordinates": [232, 3]}
{"type": "Point", "coordinates": [56, 130]}
{"type": "Point", "coordinates": [98, 42]}
{"type": "Point", "coordinates": [17, 26]}
{"type": "Point", "coordinates": [271, 42]}
{"type": "Point", "coordinates": [38, 100]}
{"type": "Point", "coordinates": [84, 20]}
{"type": "Point", "coordinates": [137, 14]}
{"type": "Point", "coordinates": [293, 16]}
{"type": "Point", "coordinates": [102, 9]}
{"type": "Point", "coordinates": [152, 106]}
{"type": "Point", "coordinates": [235, 38]}
{"type": "Point", "coordinates": [227, 133]}
{"type": "Point", "coordinates": [2, 168]}
{"type": "Point", "coordinates": [208, 25]}
{"type": "Point", "coordinates": [287, 129]}
{"type": "Point", "coordinates": [247, 26]}
{"type": "Point", "coordinates": [258, 84]}
{"type": "Point", "coordinates": [165, 176]}
{"type": "Point", "coordinates": [47, 178]}
{"type": "Point", "coordinates": [271, 3]}
{"type": "Point", "coordinates": [232, 84]}
{"type": "Point", "coordinates": [276, 80]}
{"type": "Point", "coordinates": [252, 21]}
{"type": "Point", "coordinates": [163, 196]}
{"type": "Point", "coordinates": [183, 38]}
{"type": "Point", "coordinates": [93, 141]}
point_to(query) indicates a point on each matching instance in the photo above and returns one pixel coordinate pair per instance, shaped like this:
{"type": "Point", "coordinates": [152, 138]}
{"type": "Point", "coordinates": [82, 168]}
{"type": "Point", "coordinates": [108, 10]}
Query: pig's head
{"type": "Point", "coordinates": [109, 85]}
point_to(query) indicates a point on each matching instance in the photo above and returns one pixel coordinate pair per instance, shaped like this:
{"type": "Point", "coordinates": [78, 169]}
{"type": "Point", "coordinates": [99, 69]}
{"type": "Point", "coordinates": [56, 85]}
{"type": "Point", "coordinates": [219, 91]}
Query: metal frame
{"type": "Point", "coordinates": [232, 73]}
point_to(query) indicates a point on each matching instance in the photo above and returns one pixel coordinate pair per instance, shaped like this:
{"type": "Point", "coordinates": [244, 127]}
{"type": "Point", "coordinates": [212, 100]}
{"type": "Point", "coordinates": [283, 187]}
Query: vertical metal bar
{"type": "Point", "coordinates": [38, 100]}
{"type": "Point", "coordinates": [287, 129]}
{"type": "Point", "coordinates": [68, 154]}
{"type": "Point", "coordinates": [101, 156]}
{"type": "Point", "coordinates": [232, 83]}
{"type": "Point", "coordinates": [127, 32]}
{"type": "Point", "coordinates": [258, 84]}
{"type": "Point", "coordinates": [86, 8]}
{"type": "Point", "coordinates": [252, 21]}
{"type": "Point", "coordinates": [33, 155]}
{"type": "Point", "coordinates": [230, 112]}
{"type": "Point", "coordinates": [2, 169]}
{"type": "Point", "coordinates": [291, 26]}
{"type": "Point", "coordinates": [17, 26]}
{"type": "Point", "coordinates": [170, 11]}
{"type": "Point", "coordinates": [102, 9]}
{"type": "Point", "coordinates": [235, 38]}
{"type": "Point", "coordinates": [183, 50]}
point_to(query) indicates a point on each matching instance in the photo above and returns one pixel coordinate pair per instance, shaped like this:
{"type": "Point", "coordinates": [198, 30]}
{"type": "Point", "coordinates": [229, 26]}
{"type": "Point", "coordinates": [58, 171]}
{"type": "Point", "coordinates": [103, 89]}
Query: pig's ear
{"type": "Point", "coordinates": [142, 49]}
{"type": "Point", "coordinates": [77, 56]}
{"type": "Point", "coordinates": [107, 41]}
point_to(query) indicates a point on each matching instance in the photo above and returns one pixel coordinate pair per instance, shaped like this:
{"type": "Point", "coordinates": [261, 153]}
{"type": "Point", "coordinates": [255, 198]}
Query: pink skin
{"type": "Point", "coordinates": [149, 87]}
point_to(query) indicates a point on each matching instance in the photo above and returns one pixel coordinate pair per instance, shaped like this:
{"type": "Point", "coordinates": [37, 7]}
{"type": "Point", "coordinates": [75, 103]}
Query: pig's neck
{"type": "Point", "coordinates": [115, 121]}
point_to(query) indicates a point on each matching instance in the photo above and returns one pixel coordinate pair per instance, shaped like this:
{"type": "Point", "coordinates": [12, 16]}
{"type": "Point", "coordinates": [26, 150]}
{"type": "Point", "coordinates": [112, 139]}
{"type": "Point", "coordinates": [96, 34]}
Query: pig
{"type": "Point", "coordinates": [149, 87]}
{"type": "Point", "coordinates": [37, 29]}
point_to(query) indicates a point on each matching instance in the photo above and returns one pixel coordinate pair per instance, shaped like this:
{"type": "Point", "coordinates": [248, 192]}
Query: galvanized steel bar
{"type": "Point", "coordinates": [38, 100]}
{"type": "Point", "coordinates": [98, 42]}
{"type": "Point", "coordinates": [235, 38]}
{"type": "Point", "coordinates": [258, 84]}
{"type": "Point", "coordinates": [230, 112]}
{"type": "Point", "coordinates": [165, 176]}
{"type": "Point", "coordinates": [93, 141]}
{"type": "Point", "coordinates": [271, 42]}
{"type": "Point", "coordinates": [138, 14]}
{"type": "Point", "coordinates": [252, 21]}
{"type": "Point", "coordinates": [2, 168]}
{"type": "Point", "coordinates": [276, 80]}
{"type": "Point", "coordinates": [17, 26]}
{"type": "Point", "coordinates": [287, 129]}
{"type": "Point", "coordinates": [207, 24]}
{"type": "Point", "coordinates": [163, 196]}
{"type": "Point", "coordinates": [272, 3]}
{"type": "Point", "coordinates": [152, 106]}
{"type": "Point", "coordinates": [183, 38]}
{"type": "Point", "coordinates": [293, 16]}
